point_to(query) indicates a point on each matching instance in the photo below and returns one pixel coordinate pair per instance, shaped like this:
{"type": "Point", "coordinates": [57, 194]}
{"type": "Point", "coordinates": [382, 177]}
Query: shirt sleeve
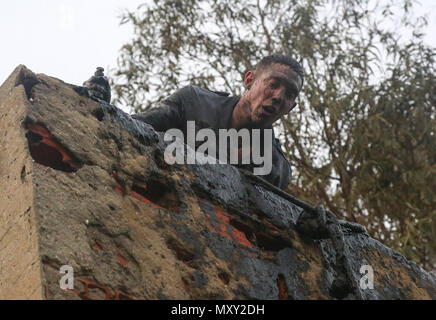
{"type": "Point", "coordinates": [168, 114]}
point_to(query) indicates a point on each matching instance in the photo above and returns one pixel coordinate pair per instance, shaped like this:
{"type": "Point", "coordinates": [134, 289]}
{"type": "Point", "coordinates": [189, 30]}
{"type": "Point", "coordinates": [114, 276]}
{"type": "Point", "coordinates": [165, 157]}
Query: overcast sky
{"type": "Point", "coordinates": [68, 39]}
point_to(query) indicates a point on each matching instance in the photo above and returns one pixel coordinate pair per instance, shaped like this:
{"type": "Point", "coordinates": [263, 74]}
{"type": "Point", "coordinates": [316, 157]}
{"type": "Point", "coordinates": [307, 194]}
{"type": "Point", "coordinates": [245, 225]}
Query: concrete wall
{"type": "Point", "coordinates": [98, 197]}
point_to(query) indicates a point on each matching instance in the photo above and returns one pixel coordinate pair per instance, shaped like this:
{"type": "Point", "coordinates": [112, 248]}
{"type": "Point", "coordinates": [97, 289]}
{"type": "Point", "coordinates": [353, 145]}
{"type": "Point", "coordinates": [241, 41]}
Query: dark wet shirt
{"type": "Point", "coordinates": [210, 110]}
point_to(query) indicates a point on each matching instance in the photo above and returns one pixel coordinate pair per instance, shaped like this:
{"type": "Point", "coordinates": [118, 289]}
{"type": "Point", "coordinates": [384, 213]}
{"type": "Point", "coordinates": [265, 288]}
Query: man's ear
{"type": "Point", "coordinates": [248, 79]}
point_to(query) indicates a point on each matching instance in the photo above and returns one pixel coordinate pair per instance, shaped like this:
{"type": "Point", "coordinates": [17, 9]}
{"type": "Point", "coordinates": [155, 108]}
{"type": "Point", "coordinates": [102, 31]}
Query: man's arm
{"type": "Point", "coordinates": [168, 114]}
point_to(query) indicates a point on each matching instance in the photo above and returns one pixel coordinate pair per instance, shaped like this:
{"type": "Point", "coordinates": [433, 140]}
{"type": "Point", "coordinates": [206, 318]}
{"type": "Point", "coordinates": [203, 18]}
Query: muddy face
{"type": "Point", "coordinates": [271, 94]}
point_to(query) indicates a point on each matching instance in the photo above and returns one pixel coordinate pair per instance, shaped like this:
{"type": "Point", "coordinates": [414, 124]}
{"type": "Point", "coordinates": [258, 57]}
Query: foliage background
{"type": "Point", "coordinates": [362, 138]}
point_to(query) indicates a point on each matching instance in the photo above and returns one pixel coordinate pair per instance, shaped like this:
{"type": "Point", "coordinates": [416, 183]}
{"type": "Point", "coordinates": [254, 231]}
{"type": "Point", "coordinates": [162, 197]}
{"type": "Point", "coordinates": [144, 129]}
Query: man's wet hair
{"type": "Point", "coordinates": [282, 59]}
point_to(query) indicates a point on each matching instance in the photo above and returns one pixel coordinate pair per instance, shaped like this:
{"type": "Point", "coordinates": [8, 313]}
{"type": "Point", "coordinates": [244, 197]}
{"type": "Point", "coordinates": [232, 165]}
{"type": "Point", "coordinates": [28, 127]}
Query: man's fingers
{"type": "Point", "coordinates": [96, 90]}
{"type": "Point", "coordinates": [95, 87]}
{"type": "Point", "coordinates": [96, 94]}
{"type": "Point", "coordinates": [98, 86]}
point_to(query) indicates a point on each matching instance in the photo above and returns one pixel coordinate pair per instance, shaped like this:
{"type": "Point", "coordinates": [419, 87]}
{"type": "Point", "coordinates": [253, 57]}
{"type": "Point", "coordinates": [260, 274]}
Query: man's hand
{"type": "Point", "coordinates": [313, 224]}
{"type": "Point", "coordinates": [98, 86]}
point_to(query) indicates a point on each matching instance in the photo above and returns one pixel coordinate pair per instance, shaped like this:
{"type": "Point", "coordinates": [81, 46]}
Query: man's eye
{"type": "Point", "coordinates": [273, 84]}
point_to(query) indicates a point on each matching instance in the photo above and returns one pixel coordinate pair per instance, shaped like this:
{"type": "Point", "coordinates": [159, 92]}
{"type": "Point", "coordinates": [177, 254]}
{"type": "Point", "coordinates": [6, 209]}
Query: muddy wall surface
{"type": "Point", "coordinates": [84, 185]}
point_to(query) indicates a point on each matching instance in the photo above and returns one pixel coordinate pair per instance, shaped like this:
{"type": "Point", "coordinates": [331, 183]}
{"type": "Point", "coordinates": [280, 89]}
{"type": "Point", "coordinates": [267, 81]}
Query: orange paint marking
{"type": "Point", "coordinates": [142, 185]}
{"type": "Point", "coordinates": [118, 187]}
{"type": "Point", "coordinates": [145, 200]}
{"type": "Point", "coordinates": [49, 266]}
{"type": "Point", "coordinates": [283, 292]}
{"type": "Point", "coordinates": [270, 225]}
{"type": "Point", "coordinates": [241, 238]}
{"type": "Point", "coordinates": [184, 285]}
{"type": "Point", "coordinates": [47, 139]}
{"type": "Point", "coordinates": [121, 296]}
{"type": "Point", "coordinates": [224, 229]}
{"type": "Point", "coordinates": [121, 259]}
{"type": "Point", "coordinates": [93, 284]}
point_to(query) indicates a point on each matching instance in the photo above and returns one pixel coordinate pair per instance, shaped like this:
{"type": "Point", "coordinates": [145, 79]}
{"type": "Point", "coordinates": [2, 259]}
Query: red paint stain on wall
{"type": "Point", "coordinates": [145, 200]}
{"type": "Point", "coordinates": [92, 284]}
{"type": "Point", "coordinates": [283, 292]}
{"type": "Point", "coordinates": [121, 296]}
{"type": "Point", "coordinates": [121, 259]}
{"type": "Point", "coordinates": [220, 224]}
{"type": "Point", "coordinates": [84, 293]}
{"type": "Point", "coordinates": [49, 266]}
{"type": "Point", "coordinates": [118, 295]}
{"type": "Point", "coordinates": [184, 285]}
{"type": "Point", "coordinates": [270, 225]}
{"type": "Point", "coordinates": [140, 197]}
{"type": "Point", "coordinates": [46, 151]}
{"type": "Point", "coordinates": [118, 187]}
